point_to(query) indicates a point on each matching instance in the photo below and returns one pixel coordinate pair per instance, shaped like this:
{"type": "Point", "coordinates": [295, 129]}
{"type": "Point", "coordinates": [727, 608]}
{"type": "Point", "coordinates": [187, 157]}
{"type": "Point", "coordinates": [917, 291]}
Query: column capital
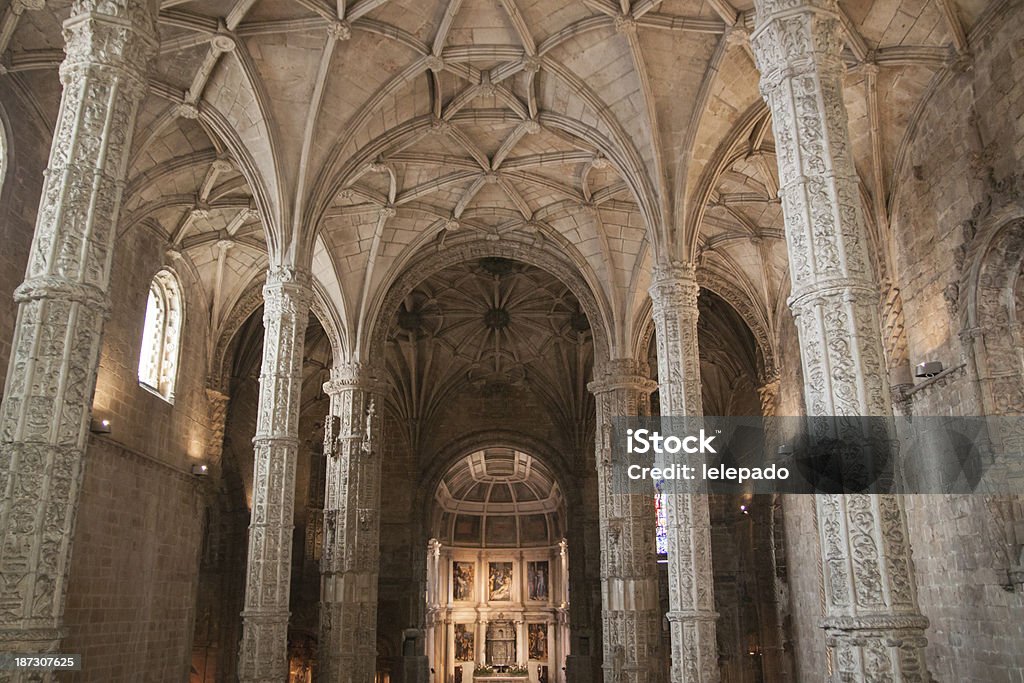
{"type": "Point", "coordinates": [622, 373]}
{"type": "Point", "coordinates": [791, 38]}
{"type": "Point", "coordinates": [116, 38]}
{"type": "Point", "coordinates": [287, 278]}
{"type": "Point", "coordinates": [677, 276]}
{"type": "Point", "coordinates": [356, 375]}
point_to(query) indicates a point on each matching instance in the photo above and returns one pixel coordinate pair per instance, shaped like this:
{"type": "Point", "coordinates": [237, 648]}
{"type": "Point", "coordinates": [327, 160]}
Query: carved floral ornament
{"type": "Point", "coordinates": [1002, 205]}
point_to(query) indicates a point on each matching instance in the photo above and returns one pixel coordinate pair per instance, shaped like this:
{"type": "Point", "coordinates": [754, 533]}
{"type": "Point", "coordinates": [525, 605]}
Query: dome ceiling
{"type": "Point", "coordinates": [498, 497]}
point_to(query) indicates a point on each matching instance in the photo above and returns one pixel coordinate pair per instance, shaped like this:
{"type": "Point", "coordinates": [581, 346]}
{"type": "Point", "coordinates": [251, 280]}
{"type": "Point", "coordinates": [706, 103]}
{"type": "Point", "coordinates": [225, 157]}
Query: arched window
{"type": "Point", "coordinates": [158, 360]}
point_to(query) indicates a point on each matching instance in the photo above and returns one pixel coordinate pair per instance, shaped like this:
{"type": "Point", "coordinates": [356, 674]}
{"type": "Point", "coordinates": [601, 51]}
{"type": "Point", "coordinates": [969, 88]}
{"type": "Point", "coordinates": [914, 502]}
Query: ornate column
{"type": "Point", "coordinates": [351, 556]}
{"type": "Point", "coordinates": [629, 582]}
{"type": "Point", "coordinates": [264, 650]}
{"type": "Point", "coordinates": [692, 613]}
{"type": "Point", "coordinates": [874, 627]}
{"type": "Point", "coordinates": [61, 308]}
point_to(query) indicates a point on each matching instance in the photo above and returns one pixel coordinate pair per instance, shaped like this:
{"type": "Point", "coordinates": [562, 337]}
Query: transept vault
{"type": "Point", "coordinates": [322, 317]}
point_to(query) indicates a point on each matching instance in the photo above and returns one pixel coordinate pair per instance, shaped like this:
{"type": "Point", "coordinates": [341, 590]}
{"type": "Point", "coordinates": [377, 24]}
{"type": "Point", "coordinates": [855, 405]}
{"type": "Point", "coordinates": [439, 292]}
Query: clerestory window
{"type": "Point", "coordinates": [161, 335]}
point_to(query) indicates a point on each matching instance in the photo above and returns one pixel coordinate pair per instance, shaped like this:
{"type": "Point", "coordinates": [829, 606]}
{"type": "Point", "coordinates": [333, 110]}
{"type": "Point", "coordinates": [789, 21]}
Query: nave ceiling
{"type": "Point", "coordinates": [357, 136]}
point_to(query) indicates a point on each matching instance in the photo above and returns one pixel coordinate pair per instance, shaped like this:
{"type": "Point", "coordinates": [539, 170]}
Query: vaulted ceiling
{"type": "Point", "coordinates": [353, 136]}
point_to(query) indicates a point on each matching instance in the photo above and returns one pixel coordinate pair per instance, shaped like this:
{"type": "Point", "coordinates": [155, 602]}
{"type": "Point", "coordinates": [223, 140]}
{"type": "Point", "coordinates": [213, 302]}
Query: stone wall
{"type": "Point", "coordinates": [135, 557]}
{"type": "Point", "coordinates": [131, 595]}
{"type": "Point", "coordinates": [971, 130]}
{"type": "Point", "coordinates": [175, 432]}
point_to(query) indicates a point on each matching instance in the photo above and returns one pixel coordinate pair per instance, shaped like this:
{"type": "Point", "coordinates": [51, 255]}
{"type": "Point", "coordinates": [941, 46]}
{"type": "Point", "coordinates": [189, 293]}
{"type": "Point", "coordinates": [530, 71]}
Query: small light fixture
{"type": "Point", "coordinates": [928, 369]}
{"type": "Point", "coordinates": [99, 426]}
{"type": "Point", "coordinates": [785, 449]}
{"type": "Point", "coordinates": [744, 509]}
{"type": "Point", "coordinates": [200, 469]}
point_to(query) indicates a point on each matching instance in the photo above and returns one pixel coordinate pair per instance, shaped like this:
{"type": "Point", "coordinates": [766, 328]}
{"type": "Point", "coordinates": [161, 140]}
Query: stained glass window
{"type": "Point", "coordinates": [661, 530]}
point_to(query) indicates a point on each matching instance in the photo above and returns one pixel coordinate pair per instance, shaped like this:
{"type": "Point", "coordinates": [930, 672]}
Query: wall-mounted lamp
{"type": "Point", "coordinates": [744, 509]}
{"type": "Point", "coordinates": [200, 469]}
{"type": "Point", "coordinates": [928, 369]}
{"type": "Point", "coordinates": [99, 426]}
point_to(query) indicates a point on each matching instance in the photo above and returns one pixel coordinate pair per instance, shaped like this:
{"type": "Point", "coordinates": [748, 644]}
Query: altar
{"type": "Point", "coordinates": [502, 678]}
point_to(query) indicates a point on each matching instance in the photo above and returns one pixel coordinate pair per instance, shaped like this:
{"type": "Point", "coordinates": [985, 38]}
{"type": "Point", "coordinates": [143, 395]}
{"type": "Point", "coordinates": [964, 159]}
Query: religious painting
{"type": "Point", "coordinates": [537, 580]}
{"type": "Point", "coordinates": [462, 581]}
{"type": "Point", "coordinates": [463, 642]}
{"type": "Point", "coordinates": [537, 634]}
{"type": "Point", "coordinates": [500, 581]}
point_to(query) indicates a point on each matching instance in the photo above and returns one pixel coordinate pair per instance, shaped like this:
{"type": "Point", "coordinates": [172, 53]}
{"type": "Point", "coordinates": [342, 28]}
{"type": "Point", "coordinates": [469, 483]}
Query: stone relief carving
{"type": "Point", "coordinates": [350, 562]}
{"type": "Point", "coordinates": [62, 305]}
{"type": "Point", "coordinates": [631, 634]}
{"type": "Point", "coordinates": [263, 655]}
{"type": "Point", "coordinates": [873, 624]}
{"type": "Point", "coordinates": [692, 615]}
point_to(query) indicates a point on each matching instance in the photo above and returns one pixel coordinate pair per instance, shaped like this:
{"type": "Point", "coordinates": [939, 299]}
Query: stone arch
{"type": "Point", "coordinates": [995, 316]}
{"type": "Point", "coordinates": [247, 304]}
{"type": "Point", "coordinates": [752, 314]}
{"type": "Point", "coordinates": [571, 274]}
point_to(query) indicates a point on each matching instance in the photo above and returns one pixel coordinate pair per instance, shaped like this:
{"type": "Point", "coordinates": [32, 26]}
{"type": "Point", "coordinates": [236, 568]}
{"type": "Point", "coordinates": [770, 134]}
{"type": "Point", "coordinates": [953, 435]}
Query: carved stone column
{"type": "Point", "coordinates": [629, 581]}
{"type": "Point", "coordinates": [61, 308]}
{"type": "Point", "coordinates": [350, 562]}
{"type": "Point", "coordinates": [873, 622]}
{"type": "Point", "coordinates": [264, 649]}
{"type": "Point", "coordinates": [692, 613]}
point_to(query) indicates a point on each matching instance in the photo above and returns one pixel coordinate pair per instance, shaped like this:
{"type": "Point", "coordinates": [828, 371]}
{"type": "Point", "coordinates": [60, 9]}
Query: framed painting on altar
{"type": "Point", "coordinates": [499, 581]}
{"type": "Point", "coordinates": [463, 575]}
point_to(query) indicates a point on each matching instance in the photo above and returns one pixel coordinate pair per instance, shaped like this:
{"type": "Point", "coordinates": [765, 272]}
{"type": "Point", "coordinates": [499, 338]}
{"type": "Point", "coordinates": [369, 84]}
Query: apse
{"type": "Point", "coordinates": [497, 569]}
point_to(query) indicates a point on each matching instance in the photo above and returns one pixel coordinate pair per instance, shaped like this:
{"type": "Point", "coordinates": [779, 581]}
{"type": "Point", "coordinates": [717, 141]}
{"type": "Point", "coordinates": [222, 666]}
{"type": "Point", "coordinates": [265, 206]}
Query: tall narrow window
{"type": "Point", "coordinates": [3, 153]}
{"type": "Point", "coordinates": [661, 522]}
{"type": "Point", "coordinates": [161, 333]}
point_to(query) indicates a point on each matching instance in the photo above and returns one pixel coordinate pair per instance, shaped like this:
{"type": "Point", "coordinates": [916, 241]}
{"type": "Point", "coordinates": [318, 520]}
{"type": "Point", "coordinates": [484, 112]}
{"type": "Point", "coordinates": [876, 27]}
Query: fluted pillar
{"type": "Point", "coordinates": [692, 613]}
{"type": "Point", "coordinates": [61, 308]}
{"type": "Point", "coordinates": [629, 583]}
{"type": "Point", "coordinates": [350, 562]}
{"type": "Point", "coordinates": [264, 649]}
{"type": "Point", "coordinates": [874, 627]}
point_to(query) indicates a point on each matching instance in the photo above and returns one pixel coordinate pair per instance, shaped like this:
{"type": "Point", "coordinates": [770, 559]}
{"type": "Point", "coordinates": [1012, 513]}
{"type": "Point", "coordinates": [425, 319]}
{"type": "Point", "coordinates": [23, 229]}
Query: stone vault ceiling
{"type": "Point", "coordinates": [352, 136]}
{"type": "Point", "coordinates": [488, 327]}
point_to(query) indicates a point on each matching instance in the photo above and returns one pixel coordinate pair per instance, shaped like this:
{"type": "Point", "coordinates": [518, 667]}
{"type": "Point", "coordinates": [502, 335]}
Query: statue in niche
{"type": "Point", "coordinates": [501, 642]}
